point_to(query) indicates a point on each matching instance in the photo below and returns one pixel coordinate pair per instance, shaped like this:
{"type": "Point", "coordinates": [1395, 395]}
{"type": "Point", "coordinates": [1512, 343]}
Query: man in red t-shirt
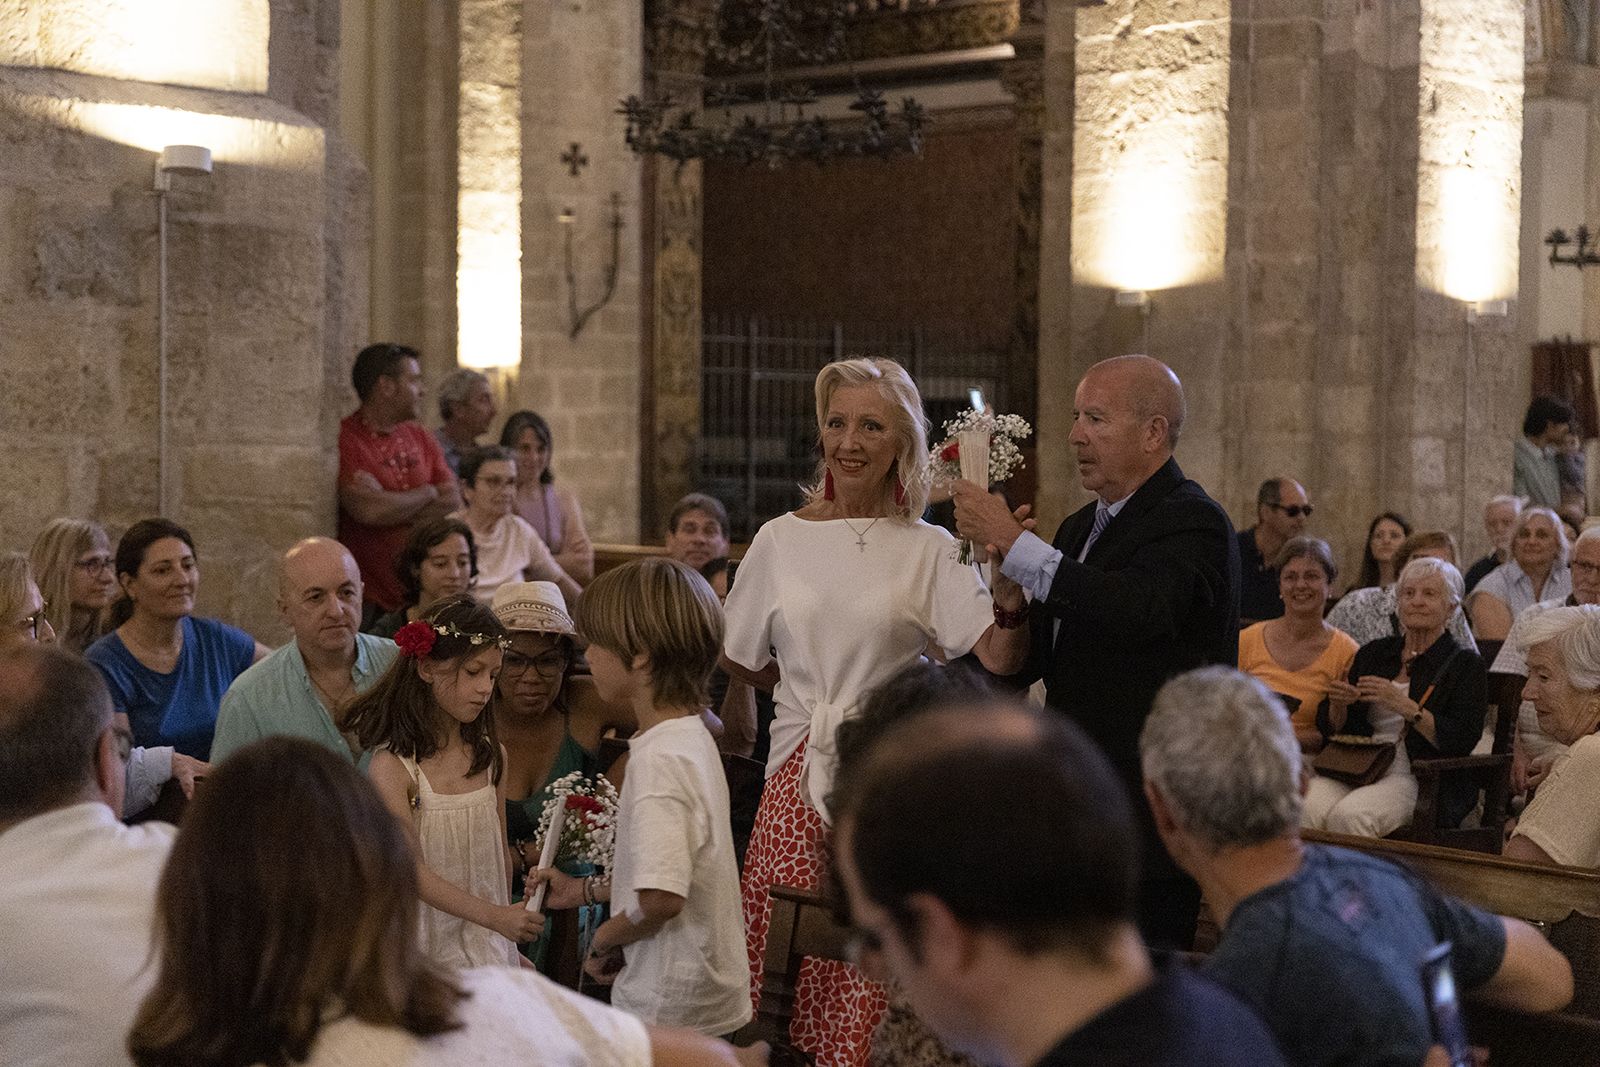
{"type": "Point", "coordinates": [392, 472]}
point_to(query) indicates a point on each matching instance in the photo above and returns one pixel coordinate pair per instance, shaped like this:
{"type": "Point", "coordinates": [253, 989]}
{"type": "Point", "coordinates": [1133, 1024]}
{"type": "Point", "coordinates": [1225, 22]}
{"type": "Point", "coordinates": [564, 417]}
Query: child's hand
{"type": "Point", "coordinates": [604, 966]}
{"type": "Point", "coordinates": [516, 923]}
{"type": "Point", "coordinates": [565, 891]}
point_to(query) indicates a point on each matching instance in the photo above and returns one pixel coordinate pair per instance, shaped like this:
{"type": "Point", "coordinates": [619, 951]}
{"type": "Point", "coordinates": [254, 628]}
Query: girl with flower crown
{"type": "Point", "coordinates": [438, 766]}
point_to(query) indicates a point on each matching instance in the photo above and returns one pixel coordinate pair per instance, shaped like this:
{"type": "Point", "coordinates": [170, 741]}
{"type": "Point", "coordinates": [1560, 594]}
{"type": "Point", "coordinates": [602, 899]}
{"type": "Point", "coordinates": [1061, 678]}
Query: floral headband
{"type": "Point", "coordinates": [416, 639]}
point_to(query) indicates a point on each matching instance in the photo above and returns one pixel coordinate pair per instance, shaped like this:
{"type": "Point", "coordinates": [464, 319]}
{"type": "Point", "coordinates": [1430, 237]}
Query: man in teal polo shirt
{"type": "Point", "coordinates": [302, 689]}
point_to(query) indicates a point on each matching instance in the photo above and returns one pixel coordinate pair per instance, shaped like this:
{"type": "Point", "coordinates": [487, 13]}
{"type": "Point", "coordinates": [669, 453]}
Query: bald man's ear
{"type": "Point", "coordinates": [1156, 434]}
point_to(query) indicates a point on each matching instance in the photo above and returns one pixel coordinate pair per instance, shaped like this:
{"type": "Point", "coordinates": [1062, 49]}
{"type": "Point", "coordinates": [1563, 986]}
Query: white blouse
{"type": "Point", "coordinates": [844, 605]}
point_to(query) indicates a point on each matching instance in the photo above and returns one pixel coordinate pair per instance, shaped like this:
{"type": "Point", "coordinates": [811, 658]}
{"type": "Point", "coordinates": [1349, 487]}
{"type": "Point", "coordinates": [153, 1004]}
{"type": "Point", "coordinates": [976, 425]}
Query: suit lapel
{"type": "Point", "coordinates": [1154, 489]}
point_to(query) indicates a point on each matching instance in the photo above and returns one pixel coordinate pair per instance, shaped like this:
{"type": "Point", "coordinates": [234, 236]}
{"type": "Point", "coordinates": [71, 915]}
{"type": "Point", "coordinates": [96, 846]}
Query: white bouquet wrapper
{"type": "Point", "coordinates": [547, 854]}
{"type": "Point", "coordinates": [975, 469]}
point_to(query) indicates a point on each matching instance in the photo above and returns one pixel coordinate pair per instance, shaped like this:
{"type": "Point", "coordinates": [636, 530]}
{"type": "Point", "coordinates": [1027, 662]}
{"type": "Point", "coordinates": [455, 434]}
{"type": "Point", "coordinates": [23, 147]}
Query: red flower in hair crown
{"type": "Point", "coordinates": [416, 639]}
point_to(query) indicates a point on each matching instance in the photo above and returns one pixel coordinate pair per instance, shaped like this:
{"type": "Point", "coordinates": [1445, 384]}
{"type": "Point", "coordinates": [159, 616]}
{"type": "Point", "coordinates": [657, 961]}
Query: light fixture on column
{"type": "Point", "coordinates": [1138, 299]}
{"type": "Point", "coordinates": [568, 220]}
{"type": "Point", "coordinates": [1487, 309]}
{"type": "Point", "coordinates": [192, 160]}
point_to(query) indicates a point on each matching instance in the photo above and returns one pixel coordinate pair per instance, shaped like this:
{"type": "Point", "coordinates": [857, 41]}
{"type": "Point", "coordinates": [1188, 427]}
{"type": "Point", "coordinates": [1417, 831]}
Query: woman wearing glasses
{"type": "Point", "coordinates": [72, 560]}
{"type": "Point", "coordinates": [509, 550]}
{"type": "Point", "coordinates": [549, 731]}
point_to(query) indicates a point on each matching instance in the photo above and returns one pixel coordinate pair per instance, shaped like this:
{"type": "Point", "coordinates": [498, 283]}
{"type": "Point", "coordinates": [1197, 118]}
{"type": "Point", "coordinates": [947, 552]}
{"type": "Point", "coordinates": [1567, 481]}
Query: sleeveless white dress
{"type": "Point", "coordinates": [461, 841]}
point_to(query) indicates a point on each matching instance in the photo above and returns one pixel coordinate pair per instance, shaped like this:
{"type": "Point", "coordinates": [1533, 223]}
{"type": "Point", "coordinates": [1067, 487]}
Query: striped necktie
{"type": "Point", "coordinates": [1102, 515]}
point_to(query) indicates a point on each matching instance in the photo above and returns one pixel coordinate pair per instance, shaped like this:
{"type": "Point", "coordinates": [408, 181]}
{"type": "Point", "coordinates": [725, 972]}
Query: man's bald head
{"type": "Point", "coordinates": [319, 593]}
{"type": "Point", "coordinates": [1150, 387]}
{"type": "Point", "coordinates": [53, 710]}
{"type": "Point", "coordinates": [310, 558]}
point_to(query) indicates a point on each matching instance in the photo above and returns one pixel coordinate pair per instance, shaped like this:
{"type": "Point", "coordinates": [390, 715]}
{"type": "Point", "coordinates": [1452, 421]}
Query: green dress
{"type": "Point", "coordinates": [522, 822]}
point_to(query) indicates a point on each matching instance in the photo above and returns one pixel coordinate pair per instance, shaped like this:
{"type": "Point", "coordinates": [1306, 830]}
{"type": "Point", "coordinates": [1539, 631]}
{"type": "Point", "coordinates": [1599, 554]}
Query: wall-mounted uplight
{"type": "Point", "coordinates": [191, 159]}
{"type": "Point", "coordinates": [1487, 309]}
{"type": "Point", "coordinates": [181, 159]}
{"type": "Point", "coordinates": [1134, 298]}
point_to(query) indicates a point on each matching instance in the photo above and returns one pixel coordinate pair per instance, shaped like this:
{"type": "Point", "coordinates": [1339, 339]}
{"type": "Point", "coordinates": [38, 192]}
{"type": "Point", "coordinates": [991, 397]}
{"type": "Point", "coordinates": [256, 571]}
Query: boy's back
{"type": "Point", "coordinates": [674, 835]}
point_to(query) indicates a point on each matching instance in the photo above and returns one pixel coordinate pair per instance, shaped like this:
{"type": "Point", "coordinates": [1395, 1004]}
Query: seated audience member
{"type": "Point", "coordinates": [166, 669]}
{"type": "Point", "coordinates": [77, 893]}
{"type": "Point", "coordinates": [1535, 475]}
{"type": "Point", "coordinates": [1499, 519]}
{"type": "Point", "coordinates": [1368, 614]}
{"type": "Point", "coordinates": [302, 689]}
{"type": "Point", "coordinates": [1323, 942]}
{"type": "Point", "coordinates": [1281, 513]}
{"type": "Point", "coordinates": [286, 924]}
{"type": "Point", "coordinates": [1298, 655]}
{"type": "Point", "coordinates": [23, 622]}
{"type": "Point", "coordinates": [1384, 537]}
{"type": "Point", "coordinates": [697, 530]}
{"type": "Point", "coordinates": [508, 548]}
{"type": "Point", "coordinates": [440, 560]}
{"type": "Point", "coordinates": [466, 408]}
{"type": "Point", "coordinates": [72, 560]}
{"type": "Point", "coordinates": [392, 472]}
{"type": "Point", "coordinates": [1562, 823]}
{"type": "Point", "coordinates": [1418, 690]}
{"type": "Point", "coordinates": [1572, 520]}
{"type": "Point", "coordinates": [1535, 749]}
{"type": "Point", "coordinates": [547, 732]}
{"type": "Point", "coordinates": [550, 508]}
{"type": "Point", "coordinates": [1536, 571]}
{"type": "Point", "coordinates": [1014, 938]}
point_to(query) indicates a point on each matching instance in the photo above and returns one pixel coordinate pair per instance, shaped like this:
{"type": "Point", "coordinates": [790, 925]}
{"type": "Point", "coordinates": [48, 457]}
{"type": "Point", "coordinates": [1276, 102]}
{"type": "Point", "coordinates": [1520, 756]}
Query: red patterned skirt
{"type": "Point", "coordinates": [836, 1009]}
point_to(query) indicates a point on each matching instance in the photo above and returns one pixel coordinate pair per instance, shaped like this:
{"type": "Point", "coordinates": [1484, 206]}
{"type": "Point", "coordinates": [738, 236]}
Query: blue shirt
{"type": "Point", "coordinates": [276, 698]}
{"type": "Point", "coordinates": [177, 709]}
{"type": "Point", "coordinates": [1331, 958]}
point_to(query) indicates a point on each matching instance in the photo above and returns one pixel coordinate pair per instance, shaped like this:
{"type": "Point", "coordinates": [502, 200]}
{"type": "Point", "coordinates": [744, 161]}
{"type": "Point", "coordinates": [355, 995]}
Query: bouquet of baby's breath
{"type": "Point", "coordinates": [588, 833]}
{"type": "Point", "coordinates": [982, 448]}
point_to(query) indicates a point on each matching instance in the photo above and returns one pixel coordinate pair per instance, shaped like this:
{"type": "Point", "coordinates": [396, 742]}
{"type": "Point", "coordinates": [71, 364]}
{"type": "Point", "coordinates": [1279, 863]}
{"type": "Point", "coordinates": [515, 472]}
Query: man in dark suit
{"type": "Point", "coordinates": [1139, 586]}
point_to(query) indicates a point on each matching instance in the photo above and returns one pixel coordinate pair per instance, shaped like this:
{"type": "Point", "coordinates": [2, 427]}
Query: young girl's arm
{"type": "Point", "coordinates": [511, 921]}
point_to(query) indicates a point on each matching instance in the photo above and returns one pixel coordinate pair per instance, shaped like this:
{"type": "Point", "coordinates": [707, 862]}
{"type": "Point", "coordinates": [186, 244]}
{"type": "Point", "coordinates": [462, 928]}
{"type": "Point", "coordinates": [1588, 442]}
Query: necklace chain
{"type": "Point", "coordinates": [861, 535]}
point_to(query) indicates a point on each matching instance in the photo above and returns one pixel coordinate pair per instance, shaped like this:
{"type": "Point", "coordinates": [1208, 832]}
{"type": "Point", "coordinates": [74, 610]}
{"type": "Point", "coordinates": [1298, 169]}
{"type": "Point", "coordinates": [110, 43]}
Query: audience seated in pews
{"type": "Point", "coordinates": [466, 408]}
{"type": "Point", "coordinates": [1368, 614]}
{"type": "Point", "coordinates": [1385, 535]}
{"type": "Point", "coordinates": [77, 890]}
{"type": "Point", "coordinates": [438, 767]}
{"type": "Point", "coordinates": [551, 508]}
{"type": "Point", "coordinates": [1298, 655]}
{"type": "Point", "coordinates": [547, 732]}
{"type": "Point", "coordinates": [1537, 570]}
{"type": "Point", "coordinates": [166, 669]}
{"type": "Point", "coordinates": [1418, 690]}
{"type": "Point", "coordinates": [508, 548]}
{"type": "Point", "coordinates": [674, 942]}
{"type": "Point", "coordinates": [1282, 511]}
{"type": "Point", "coordinates": [1323, 942]}
{"type": "Point", "coordinates": [1562, 823]}
{"type": "Point", "coordinates": [392, 472]}
{"type": "Point", "coordinates": [1499, 519]}
{"type": "Point", "coordinates": [988, 858]}
{"type": "Point", "coordinates": [304, 688]}
{"type": "Point", "coordinates": [440, 560]}
{"type": "Point", "coordinates": [286, 924]}
{"type": "Point", "coordinates": [73, 563]}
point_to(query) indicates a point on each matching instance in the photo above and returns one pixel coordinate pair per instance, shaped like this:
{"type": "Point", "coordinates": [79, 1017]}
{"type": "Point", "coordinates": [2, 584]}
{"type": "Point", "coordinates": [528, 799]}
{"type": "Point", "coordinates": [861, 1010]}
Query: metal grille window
{"type": "Point", "coordinates": [758, 440]}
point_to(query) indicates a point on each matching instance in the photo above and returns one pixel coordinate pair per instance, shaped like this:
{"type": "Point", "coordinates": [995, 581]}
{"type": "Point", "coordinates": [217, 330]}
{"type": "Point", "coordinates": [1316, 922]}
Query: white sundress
{"type": "Point", "coordinates": [461, 842]}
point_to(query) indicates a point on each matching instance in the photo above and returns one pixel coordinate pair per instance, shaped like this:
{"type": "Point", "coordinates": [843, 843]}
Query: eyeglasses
{"type": "Point", "coordinates": [94, 566]}
{"type": "Point", "coordinates": [548, 664]}
{"type": "Point", "coordinates": [32, 624]}
{"type": "Point", "coordinates": [1294, 511]}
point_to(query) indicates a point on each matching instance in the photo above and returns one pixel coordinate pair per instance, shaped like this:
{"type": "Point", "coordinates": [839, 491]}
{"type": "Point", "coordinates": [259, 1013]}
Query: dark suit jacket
{"type": "Point", "coordinates": [1157, 595]}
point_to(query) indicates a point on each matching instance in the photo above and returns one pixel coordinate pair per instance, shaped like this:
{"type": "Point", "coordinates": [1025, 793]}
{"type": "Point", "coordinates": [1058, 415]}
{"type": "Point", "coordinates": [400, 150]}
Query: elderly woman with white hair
{"type": "Point", "coordinates": [1537, 570]}
{"type": "Point", "coordinates": [831, 601]}
{"type": "Point", "coordinates": [1418, 690]}
{"type": "Point", "coordinates": [1562, 824]}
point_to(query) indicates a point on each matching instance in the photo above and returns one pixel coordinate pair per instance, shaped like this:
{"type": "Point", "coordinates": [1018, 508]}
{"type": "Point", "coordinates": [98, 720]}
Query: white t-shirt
{"type": "Point", "coordinates": [674, 834]}
{"type": "Point", "coordinates": [510, 549]}
{"type": "Point", "coordinates": [1564, 817]}
{"type": "Point", "coordinates": [77, 897]}
{"type": "Point", "coordinates": [511, 1017]}
{"type": "Point", "coordinates": [843, 618]}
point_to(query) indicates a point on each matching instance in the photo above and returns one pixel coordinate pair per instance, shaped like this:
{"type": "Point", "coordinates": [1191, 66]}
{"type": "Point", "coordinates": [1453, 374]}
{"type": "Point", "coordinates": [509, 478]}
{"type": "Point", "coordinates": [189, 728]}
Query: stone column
{"type": "Point", "coordinates": [1023, 78]}
{"type": "Point", "coordinates": [678, 43]}
{"type": "Point", "coordinates": [1056, 471]}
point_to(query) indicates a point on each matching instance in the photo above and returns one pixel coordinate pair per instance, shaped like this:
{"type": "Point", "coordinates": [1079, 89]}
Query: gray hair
{"type": "Point", "coordinates": [1219, 746]}
{"type": "Point", "coordinates": [1563, 546]}
{"type": "Point", "coordinates": [1431, 567]}
{"type": "Point", "coordinates": [1576, 632]}
{"type": "Point", "coordinates": [1514, 502]}
{"type": "Point", "coordinates": [456, 387]}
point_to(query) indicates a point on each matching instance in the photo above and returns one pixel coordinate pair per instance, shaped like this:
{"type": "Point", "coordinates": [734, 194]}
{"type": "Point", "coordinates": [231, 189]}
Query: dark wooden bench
{"type": "Point", "coordinates": [608, 556]}
{"type": "Point", "coordinates": [804, 923]}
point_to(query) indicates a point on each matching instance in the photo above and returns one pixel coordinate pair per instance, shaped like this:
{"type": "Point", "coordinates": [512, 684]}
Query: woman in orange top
{"type": "Point", "coordinates": [1298, 654]}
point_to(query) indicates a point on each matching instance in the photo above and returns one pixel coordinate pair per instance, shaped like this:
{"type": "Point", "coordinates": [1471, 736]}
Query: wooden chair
{"type": "Point", "coordinates": [1563, 902]}
{"type": "Point", "coordinates": [608, 556]}
{"type": "Point", "coordinates": [804, 923]}
{"type": "Point", "coordinates": [1491, 774]}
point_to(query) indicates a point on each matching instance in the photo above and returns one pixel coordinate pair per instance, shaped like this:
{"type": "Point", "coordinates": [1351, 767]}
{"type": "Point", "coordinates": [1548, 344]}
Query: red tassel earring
{"type": "Point", "coordinates": [899, 492]}
{"type": "Point", "coordinates": [827, 485]}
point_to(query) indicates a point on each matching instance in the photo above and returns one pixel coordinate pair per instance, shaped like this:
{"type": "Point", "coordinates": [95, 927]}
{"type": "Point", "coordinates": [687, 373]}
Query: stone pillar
{"type": "Point", "coordinates": [1057, 481]}
{"type": "Point", "coordinates": [678, 44]}
{"type": "Point", "coordinates": [1023, 78]}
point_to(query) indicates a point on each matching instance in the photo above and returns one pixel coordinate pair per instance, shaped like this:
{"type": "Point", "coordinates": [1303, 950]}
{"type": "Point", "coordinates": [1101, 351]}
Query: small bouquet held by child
{"type": "Point", "coordinates": [980, 447]}
{"type": "Point", "coordinates": [578, 825]}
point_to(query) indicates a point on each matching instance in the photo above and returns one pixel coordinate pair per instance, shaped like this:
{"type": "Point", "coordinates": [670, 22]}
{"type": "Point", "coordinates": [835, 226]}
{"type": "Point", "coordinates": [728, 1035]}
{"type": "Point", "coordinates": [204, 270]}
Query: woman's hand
{"type": "Point", "coordinates": [516, 923]}
{"type": "Point", "coordinates": [1383, 691]}
{"type": "Point", "coordinates": [188, 770]}
{"type": "Point", "coordinates": [1008, 595]}
{"type": "Point", "coordinates": [565, 891]}
{"type": "Point", "coordinates": [1342, 692]}
{"type": "Point", "coordinates": [1539, 769]}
